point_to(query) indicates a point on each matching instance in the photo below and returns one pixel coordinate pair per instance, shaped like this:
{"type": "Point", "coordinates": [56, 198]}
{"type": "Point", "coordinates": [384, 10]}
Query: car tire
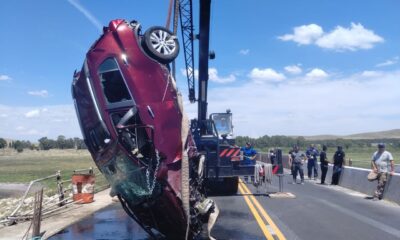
{"type": "Point", "coordinates": [160, 44]}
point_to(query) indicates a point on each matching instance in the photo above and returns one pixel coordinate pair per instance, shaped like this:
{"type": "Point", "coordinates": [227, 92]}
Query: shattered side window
{"type": "Point", "coordinates": [112, 82]}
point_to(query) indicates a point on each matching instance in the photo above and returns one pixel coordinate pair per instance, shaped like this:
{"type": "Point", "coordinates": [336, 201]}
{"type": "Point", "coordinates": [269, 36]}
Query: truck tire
{"type": "Point", "coordinates": [231, 185]}
{"type": "Point", "coordinates": [228, 186]}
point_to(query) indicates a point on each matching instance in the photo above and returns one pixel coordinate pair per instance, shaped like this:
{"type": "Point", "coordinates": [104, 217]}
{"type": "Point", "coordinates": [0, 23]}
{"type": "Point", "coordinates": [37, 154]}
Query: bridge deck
{"type": "Point", "coordinates": [317, 212]}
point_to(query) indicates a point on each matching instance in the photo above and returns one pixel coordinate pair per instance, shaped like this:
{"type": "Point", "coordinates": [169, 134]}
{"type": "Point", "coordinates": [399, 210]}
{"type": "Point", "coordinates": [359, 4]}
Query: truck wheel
{"type": "Point", "coordinates": [231, 185]}
{"type": "Point", "coordinates": [160, 44]}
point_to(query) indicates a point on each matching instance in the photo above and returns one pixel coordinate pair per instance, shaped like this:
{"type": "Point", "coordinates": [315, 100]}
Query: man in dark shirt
{"type": "Point", "coordinates": [324, 163]}
{"type": "Point", "coordinates": [272, 156]}
{"type": "Point", "coordinates": [312, 155]}
{"type": "Point", "coordinates": [338, 161]}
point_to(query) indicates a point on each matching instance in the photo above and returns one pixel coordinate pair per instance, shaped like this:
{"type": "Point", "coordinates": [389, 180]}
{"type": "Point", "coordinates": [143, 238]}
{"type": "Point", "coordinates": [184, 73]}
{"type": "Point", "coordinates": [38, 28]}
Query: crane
{"type": "Point", "coordinates": [211, 134]}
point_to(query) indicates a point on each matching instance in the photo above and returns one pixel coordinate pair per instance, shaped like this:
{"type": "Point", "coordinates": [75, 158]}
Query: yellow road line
{"type": "Point", "coordinates": [258, 218]}
{"type": "Point", "coordinates": [263, 212]}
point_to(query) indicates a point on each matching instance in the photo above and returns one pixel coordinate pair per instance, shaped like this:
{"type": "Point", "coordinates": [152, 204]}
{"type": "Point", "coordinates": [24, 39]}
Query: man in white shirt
{"type": "Point", "coordinates": [381, 160]}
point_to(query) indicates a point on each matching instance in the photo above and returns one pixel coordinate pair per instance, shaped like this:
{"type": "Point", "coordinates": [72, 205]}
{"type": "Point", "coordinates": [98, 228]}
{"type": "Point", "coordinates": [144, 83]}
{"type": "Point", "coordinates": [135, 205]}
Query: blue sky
{"type": "Point", "coordinates": [319, 67]}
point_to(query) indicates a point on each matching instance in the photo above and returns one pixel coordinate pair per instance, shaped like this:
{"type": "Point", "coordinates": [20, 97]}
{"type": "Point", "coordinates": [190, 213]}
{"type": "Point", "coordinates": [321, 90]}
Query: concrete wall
{"type": "Point", "coordinates": [356, 179]}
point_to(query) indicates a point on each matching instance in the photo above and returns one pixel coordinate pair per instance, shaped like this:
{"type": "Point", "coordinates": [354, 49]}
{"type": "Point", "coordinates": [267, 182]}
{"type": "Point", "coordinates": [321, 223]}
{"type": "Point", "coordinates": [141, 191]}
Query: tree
{"type": "Point", "coordinates": [3, 143]}
{"type": "Point", "coordinates": [18, 145]}
{"type": "Point", "coordinates": [45, 143]}
{"type": "Point", "coordinates": [20, 149]}
{"type": "Point", "coordinates": [61, 142]}
{"type": "Point", "coordinates": [79, 143]}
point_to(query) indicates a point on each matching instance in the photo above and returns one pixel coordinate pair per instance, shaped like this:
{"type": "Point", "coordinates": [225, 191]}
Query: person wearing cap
{"type": "Point", "coordinates": [338, 161]}
{"type": "Point", "coordinates": [296, 161]}
{"type": "Point", "coordinates": [381, 160]}
{"type": "Point", "coordinates": [249, 156]}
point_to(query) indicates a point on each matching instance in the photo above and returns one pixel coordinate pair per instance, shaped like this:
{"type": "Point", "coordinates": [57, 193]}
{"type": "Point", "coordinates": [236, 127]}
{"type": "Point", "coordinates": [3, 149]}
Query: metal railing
{"type": "Point", "coordinates": [53, 203]}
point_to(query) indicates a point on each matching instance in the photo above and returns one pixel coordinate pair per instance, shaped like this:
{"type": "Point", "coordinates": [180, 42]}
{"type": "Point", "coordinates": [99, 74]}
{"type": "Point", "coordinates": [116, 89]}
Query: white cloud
{"type": "Point", "coordinates": [293, 69]}
{"type": "Point", "coordinates": [244, 52]}
{"type": "Point", "coordinates": [266, 75]}
{"type": "Point", "coordinates": [304, 35]}
{"type": "Point", "coordinates": [33, 123]}
{"type": "Point", "coordinates": [87, 14]}
{"type": "Point", "coordinates": [339, 106]}
{"type": "Point", "coordinates": [196, 73]}
{"type": "Point", "coordinates": [316, 73]}
{"type": "Point", "coordinates": [5, 78]}
{"type": "Point", "coordinates": [369, 74]}
{"type": "Point", "coordinates": [32, 113]}
{"type": "Point", "coordinates": [213, 76]}
{"type": "Point", "coordinates": [354, 38]}
{"type": "Point", "coordinates": [388, 62]}
{"type": "Point", "coordinates": [40, 93]}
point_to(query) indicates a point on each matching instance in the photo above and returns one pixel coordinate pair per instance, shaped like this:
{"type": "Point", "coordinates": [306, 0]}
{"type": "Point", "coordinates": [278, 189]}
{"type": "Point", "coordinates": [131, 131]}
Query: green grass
{"type": "Point", "coordinates": [30, 165]}
{"type": "Point", "coordinates": [361, 157]}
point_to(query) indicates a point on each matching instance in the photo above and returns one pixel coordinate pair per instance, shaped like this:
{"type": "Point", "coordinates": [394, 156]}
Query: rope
{"type": "Point", "coordinates": [175, 29]}
{"type": "Point", "coordinates": [176, 14]}
{"type": "Point", "coordinates": [169, 14]}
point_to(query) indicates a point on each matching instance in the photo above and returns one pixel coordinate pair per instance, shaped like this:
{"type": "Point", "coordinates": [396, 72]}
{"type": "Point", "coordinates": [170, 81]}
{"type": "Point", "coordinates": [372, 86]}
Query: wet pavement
{"type": "Point", "coordinates": [318, 211]}
{"type": "Point", "coordinates": [109, 223]}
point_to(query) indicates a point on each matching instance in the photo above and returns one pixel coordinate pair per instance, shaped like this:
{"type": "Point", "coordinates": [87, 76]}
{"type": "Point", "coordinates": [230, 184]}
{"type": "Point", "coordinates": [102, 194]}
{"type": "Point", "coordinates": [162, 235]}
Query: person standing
{"type": "Point", "coordinates": [312, 155]}
{"type": "Point", "coordinates": [249, 156]}
{"type": "Point", "coordinates": [338, 161]}
{"type": "Point", "coordinates": [323, 158]}
{"type": "Point", "coordinates": [290, 161]}
{"type": "Point", "coordinates": [272, 156]}
{"type": "Point", "coordinates": [296, 161]}
{"type": "Point", "coordinates": [381, 160]}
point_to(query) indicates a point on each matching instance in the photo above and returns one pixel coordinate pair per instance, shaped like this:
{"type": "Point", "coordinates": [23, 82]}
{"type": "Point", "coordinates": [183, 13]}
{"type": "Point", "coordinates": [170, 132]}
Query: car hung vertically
{"type": "Point", "coordinates": [131, 117]}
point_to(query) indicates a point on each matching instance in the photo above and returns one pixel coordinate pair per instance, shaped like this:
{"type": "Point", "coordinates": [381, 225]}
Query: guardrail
{"type": "Point", "coordinates": [355, 178]}
{"type": "Point", "coordinates": [50, 205]}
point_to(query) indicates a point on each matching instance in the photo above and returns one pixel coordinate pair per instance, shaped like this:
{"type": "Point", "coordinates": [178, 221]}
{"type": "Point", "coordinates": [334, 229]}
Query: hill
{"type": "Point", "coordinates": [394, 133]}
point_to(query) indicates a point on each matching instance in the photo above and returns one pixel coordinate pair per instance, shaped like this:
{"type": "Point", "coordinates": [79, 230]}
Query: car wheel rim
{"type": "Point", "coordinates": [162, 42]}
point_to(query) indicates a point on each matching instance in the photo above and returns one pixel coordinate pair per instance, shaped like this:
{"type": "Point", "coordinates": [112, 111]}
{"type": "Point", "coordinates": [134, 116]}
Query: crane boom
{"type": "Point", "coordinates": [186, 13]}
{"type": "Point", "coordinates": [205, 12]}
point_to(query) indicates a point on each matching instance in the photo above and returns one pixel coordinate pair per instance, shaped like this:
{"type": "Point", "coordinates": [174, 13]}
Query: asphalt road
{"type": "Point", "coordinates": [317, 212]}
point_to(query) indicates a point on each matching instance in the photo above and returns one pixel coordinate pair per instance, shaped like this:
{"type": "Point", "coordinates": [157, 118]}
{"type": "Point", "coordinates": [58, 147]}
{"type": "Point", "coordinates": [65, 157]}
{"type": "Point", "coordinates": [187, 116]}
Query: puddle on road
{"type": "Point", "coordinates": [109, 223]}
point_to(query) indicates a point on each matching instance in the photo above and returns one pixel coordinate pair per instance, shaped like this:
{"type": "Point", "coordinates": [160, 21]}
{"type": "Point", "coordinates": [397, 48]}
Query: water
{"type": "Point", "coordinates": [10, 190]}
{"type": "Point", "coordinates": [109, 223]}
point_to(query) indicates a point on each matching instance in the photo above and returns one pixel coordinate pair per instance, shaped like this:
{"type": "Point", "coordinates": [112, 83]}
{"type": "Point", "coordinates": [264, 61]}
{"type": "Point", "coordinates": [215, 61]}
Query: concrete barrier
{"type": "Point", "coordinates": [356, 179]}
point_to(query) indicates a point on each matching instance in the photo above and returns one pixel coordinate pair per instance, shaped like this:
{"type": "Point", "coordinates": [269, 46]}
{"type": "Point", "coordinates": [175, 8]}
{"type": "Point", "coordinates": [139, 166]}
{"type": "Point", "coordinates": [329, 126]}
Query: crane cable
{"type": "Point", "coordinates": [169, 14]}
{"type": "Point", "coordinates": [175, 25]}
{"type": "Point", "coordinates": [185, 191]}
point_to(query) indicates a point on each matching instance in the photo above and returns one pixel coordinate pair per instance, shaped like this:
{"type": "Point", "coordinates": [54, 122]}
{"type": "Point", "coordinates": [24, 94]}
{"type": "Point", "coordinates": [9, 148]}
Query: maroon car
{"type": "Point", "coordinates": [133, 124]}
